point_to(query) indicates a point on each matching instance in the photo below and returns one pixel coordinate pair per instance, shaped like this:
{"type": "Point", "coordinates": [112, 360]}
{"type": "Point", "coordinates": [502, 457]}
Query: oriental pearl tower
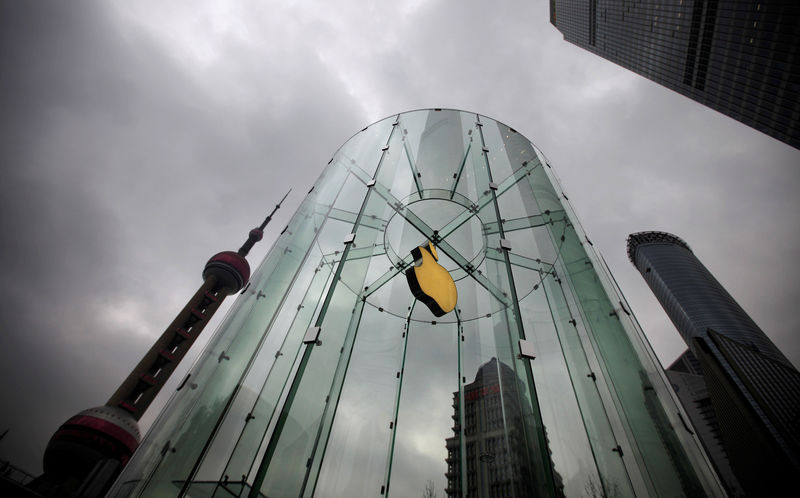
{"type": "Point", "coordinates": [88, 451]}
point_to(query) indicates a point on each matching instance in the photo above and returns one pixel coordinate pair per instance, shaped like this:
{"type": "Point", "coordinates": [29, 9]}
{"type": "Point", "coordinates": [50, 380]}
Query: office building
{"type": "Point", "coordinates": [753, 388]}
{"type": "Point", "coordinates": [686, 376]}
{"type": "Point", "coordinates": [329, 378]}
{"type": "Point", "coordinates": [738, 57]}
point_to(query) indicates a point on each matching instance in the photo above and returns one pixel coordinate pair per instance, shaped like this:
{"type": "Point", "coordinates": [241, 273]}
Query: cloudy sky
{"type": "Point", "coordinates": [140, 138]}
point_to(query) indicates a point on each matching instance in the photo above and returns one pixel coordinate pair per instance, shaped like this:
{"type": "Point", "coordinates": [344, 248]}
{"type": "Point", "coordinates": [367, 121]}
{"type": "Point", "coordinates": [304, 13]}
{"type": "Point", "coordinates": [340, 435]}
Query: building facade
{"type": "Point", "coordinates": [753, 388]}
{"type": "Point", "coordinates": [328, 378]}
{"type": "Point", "coordinates": [738, 57]}
{"type": "Point", "coordinates": [686, 376]}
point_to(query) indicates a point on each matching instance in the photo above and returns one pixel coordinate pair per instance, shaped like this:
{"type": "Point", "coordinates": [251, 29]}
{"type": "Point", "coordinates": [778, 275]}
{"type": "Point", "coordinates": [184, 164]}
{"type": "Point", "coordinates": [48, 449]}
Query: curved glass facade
{"type": "Point", "coordinates": [386, 399]}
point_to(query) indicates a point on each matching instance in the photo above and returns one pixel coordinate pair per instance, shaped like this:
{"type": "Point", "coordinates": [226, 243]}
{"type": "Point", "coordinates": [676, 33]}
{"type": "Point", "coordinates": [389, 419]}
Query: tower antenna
{"type": "Point", "coordinates": [257, 233]}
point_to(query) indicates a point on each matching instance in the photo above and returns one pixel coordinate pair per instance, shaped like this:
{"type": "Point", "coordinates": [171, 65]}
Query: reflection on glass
{"type": "Point", "coordinates": [429, 375]}
{"type": "Point", "coordinates": [496, 460]}
{"type": "Point", "coordinates": [395, 401]}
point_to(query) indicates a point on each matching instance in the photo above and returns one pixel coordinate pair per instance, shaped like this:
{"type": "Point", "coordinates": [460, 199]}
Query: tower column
{"type": "Point", "coordinates": [87, 452]}
{"type": "Point", "coordinates": [145, 381]}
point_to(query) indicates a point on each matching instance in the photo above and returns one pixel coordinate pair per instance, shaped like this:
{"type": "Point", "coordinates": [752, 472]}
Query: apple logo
{"type": "Point", "coordinates": [430, 282]}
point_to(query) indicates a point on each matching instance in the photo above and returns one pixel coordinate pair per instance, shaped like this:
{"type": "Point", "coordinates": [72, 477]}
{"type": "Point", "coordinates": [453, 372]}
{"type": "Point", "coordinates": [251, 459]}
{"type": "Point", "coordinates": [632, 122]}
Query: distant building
{"type": "Point", "coordinates": [753, 388]}
{"type": "Point", "coordinates": [686, 376]}
{"type": "Point", "coordinates": [738, 57]}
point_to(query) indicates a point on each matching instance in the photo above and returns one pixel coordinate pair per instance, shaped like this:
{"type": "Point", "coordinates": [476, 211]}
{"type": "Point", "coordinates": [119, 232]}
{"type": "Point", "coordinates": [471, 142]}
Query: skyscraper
{"type": "Point", "coordinates": [339, 382]}
{"type": "Point", "coordinates": [738, 57]}
{"type": "Point", "coordinates": [753, 388]}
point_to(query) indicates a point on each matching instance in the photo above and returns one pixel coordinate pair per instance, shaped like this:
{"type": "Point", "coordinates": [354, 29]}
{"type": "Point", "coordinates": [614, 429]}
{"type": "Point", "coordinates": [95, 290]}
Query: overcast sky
{"type": "Point", "coordinates": [138, 139]}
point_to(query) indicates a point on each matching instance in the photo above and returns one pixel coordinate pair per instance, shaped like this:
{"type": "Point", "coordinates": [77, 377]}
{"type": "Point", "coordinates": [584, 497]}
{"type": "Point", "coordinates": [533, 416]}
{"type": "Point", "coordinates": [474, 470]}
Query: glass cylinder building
{"type": "Point", "coordinates": [329, 378]}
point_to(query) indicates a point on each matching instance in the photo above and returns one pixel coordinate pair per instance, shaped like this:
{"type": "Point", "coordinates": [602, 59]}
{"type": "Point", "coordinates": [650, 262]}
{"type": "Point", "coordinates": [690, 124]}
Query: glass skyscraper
{"type": "Point", "coordinates": [329, 378]}
{"type": "Point", "coordinates": [738, 57]}
{"type": "Point", "coordinates": [753, 389]}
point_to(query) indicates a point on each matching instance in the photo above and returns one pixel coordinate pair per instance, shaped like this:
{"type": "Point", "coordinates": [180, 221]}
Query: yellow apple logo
{"type": "Point", "coordinates": [430, 282]}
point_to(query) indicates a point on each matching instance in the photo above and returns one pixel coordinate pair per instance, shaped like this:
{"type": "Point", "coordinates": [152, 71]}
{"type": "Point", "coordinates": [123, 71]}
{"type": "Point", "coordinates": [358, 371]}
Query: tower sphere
{"type": "Point", "coordinates": [90, 436]}
{"type": "Point", "coordinates": [231, 270]}
{"type": "Point", "coordinates": [256, 234]}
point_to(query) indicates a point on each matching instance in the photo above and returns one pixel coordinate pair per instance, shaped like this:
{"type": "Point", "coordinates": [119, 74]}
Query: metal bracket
{"type": "Point", "coordinates": [167, 448]}
{"type": "Point", "coordinates": [312, 335]}
{"type": "Point", "coordinates": [526, 349]}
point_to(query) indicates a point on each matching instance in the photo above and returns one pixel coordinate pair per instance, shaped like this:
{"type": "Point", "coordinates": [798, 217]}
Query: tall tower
{"type": "Point", "coordinates": [737, 57]}
{"type": "Point", "coordinates": [89, 449]}
{"type": "Point", "coordinates": [753, 388]}
{"type": "Point", "coordinates": [341, 382]}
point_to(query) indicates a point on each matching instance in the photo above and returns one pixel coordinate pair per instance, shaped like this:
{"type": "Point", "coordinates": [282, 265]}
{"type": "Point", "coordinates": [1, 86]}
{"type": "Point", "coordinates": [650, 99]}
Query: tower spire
{"type": "Point", "coordinates": [257, 233]}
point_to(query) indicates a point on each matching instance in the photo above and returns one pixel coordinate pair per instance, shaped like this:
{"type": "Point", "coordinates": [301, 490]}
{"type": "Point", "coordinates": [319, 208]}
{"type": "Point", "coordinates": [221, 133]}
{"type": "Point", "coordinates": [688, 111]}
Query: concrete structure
{"type": "Point", "coordinates": [754, 389]}
{"type": "Point", "coordinates": [329, 379]}
{"type": "Point", "coordinates": [738, 57]}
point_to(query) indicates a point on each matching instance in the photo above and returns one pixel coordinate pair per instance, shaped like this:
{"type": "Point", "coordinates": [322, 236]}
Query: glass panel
{"type": "Point", "coordinates": [355, 457]}
{"type": "Point", "coordinates": [613, 477]}
{"type": "Point", "coordinates": [651, 443]}
{"type": "Point", "coordinates": [352, 195]}
{"type": "Point", "coordinates": [463, 181]}
{"type": "Point", "coordinates": [424, 420]}
{"type": "Point", "coordinates": [573, 462]}
{"type": "Point", "coordinates": [298, 431]}
{"type": "Point", "coordinates": [363, 150]}
{"type": "Point", "coordinates": [281, 361]}
{"type": "Point", "coordinates": [412, 126]}
{"type": "Point", "coordinates": [193, 413]}
{"type": "Point", "coordinates": [441, 149]}
{"type": "Point", "coordinates": [286, 474]}
{"type": "Point", "coordinates": [523, 468]}
{"type": "Point", "coordinates": [394, 400]}
{"type": "Point", "coordinates": [495, 136]}
{"type": "Point", "coordinates": [241, 410]}
{"type": "Point", "coordinates": [398, 173]}
{"type": "Point", "coordinates": [326, 189]}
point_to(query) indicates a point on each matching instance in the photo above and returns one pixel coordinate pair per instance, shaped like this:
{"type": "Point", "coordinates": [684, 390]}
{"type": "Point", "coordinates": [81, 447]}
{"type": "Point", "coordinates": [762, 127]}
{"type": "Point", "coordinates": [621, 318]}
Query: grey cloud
{"type": "Point", "coordinates": [121, 177]}
{"type": "Point", "coordinates": [126, 164]}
